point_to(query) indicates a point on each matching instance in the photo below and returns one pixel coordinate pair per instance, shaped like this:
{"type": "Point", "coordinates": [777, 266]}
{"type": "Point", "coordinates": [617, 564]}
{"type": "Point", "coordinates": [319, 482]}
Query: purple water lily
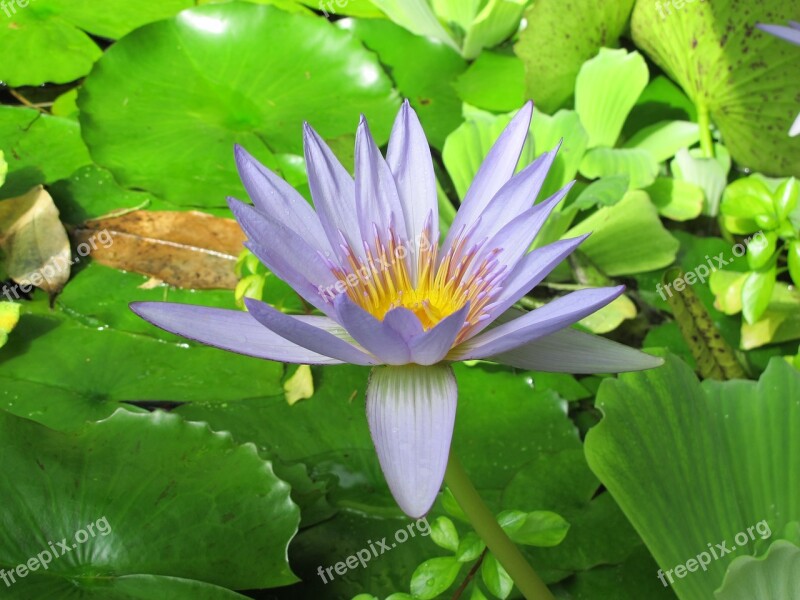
{"type": "Point", "coordinates": [790, 34]}
{"type": "Point", "coordinates": [395, 297]}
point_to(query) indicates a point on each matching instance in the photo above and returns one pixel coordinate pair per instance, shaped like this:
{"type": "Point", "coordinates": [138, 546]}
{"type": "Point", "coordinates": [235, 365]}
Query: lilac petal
{"type": "Point", "coordinates": [430, 347]}
{"type": "Point", "coordinates": [378, 337]}
{"type": "Point", "coordinates": [572, 351]}
{"type": "Point", "coordinates": [273, 196]}
{"type": "Point", "coordinates": [790, 34]}
{"type": "Point", "coordinates": [404, 322]}
{"type": "Point", "coordinates": [551, 317]}
{"type": "Point", "coordinates": [529, 272]}
{"type": "Point", "coordinates": [411, 413]}
{"type": "Point", "coordinates": [285, 253]}
{"type": "Point", "coordinates": [322, 336]}
{"type": "Point", "coordinates": [333, 191]}
{"type": "Point", "coordinates": [377, 201]}
{"type": "Point", "coordinates": [795, 129]}
{"type": "Point", "coordinates": [497, 168]}
{"type": "Point", "coordinates": [409, 158]}
{"type": "Point", "coordinates": [231, 330]}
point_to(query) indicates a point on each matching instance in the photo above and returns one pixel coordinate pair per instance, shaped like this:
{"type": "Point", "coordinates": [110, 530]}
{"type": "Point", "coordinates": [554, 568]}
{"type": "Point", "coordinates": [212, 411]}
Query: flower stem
{"type": "Point", "coordinates": [486, 526]}
{"type": "Point", "coordinates": [706, 141]}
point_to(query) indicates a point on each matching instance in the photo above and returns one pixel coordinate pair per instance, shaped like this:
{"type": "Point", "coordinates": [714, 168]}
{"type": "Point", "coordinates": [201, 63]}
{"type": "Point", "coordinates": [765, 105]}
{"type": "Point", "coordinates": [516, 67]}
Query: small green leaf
{"type": "Point", "coordinates": [727, 287]}
{"type": "Point", "coordinates": [538, 528]}
{"type": "Point", "coordinates": [444, 534]}
{"type": "Point", "coordinates": [711, 174]}
{"type": "Point", "coordinates": [664, 139]}
{"type": "Point", "coordinates": [638, 165]}
{"type": "Point", "coordinates": [433, 577]}
{"type": "Point", "coordinates": [606, 89]}
{"type": "Point", "coordinates": [299, 386]}
{"type": "Point", "coordinates": [495, 577]}
{"type": "Point", "coordinates": [761, 249]}
{"type": "Point", "coordinates": [470, 547]}
{"type": "Point", "coordinates": [451, 506]}
{"type": "Point", "coordinates": [774, 575]}
{"type": "Point", "coordinates": [606, 191]}
{"type": "Point", "coordinates": [9, 317]}
{"type": "Point", "coordinates": [676, 199]}
{"type": "Point", "coordinates": [477, 594]}
{"type": "Point", "coordinates": [794, 261]}
{"type": "Point", "coordinates": [785, 199]}
{"type": "Point", "coordinates": [756, 293]}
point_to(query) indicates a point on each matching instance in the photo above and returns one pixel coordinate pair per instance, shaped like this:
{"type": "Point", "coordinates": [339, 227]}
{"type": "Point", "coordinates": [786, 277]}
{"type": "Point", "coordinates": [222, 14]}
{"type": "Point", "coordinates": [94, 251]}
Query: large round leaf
{"type": "Point", "coordinates": [140, 494]}
{"type": "Point", "coordinates": [745, 78]}
{"type": "Point", "coordinates": [163, 108]}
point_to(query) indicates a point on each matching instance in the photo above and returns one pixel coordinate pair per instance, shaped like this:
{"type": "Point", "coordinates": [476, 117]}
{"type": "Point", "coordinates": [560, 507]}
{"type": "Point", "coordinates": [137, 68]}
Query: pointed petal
{"type": "Point", "coordinates": [231, 330]}
{"type": "Point", "coordinates": [430, 347]}
{"type": "Point", "coordinates": [378, 337]}
{"type": "Point", "coordinates": [572, 351]}
{"type": "Point", "coordinates": [409, 158]}
{"type": "Point", "coordinates": [497, 168]}
{"type": "Point", "coordinates": [333, 190]}
{"type": "Point", "coordinates": [411, 412]}
{"type": "Point", "coordinates": [377, 202]}
{"type": "Point", "coordinates": [327, 338]}
{"type": "Point", "coordinates": [795, 129]}
{"type": "Point", "coordinates": [273, 196]}
{"type": "Point", "coordinates": [551, 317]}
{"type": "Point", "coordinates": [790, 34]}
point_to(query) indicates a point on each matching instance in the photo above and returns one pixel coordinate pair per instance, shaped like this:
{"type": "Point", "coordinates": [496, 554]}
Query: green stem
{"type": "Point", "coordinates": [706, 142]}
{"type": "Point", "coordinates": [486, 526]}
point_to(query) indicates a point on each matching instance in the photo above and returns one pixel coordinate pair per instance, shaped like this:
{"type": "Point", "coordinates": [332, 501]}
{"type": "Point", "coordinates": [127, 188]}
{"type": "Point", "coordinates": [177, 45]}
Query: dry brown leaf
{"type": "Point", "coordinates": [35, 242]}
{"type": "Point", "coordinates": [185, 249]}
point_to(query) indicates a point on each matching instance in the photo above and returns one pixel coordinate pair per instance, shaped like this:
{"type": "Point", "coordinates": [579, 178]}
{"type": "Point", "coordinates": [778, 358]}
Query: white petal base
{"type": "Point", "coordinates": [411, 411]}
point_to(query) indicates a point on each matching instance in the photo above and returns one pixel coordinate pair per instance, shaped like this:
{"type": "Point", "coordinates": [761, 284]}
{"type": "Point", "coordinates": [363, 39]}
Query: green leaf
{"type": "Point", "coordinates": [756, 293]}
{"type": "Point", "coordinates": [638, 165]}
{"type": "Point", "coordinates": [537, 528]}
{"type": "Point", "coordinates": [493, 82]}
{"type": "Point", "coordinates": [3, 169]}
{"type": "Point", "coordinates": [433, 577]}
{"type": "Point", "coordinates": [746, 199]}
{"type": "Point", "coordinates": [746, 78]}
{"type": "Point", "coordinates": [761, 249]}
{"type": "Point", "coordinates": [606, 89]}
{"type": "Point", "coordinates": [497, 580]}
{"type": "Point", "coordinates": [676, 199]}
{"type": "Point", "coordinates": [664, 139]}
{"type": "Point", "coordinates": [422, 70]}
{"type": "Point", "coordinates": [234, 73]}
{"type": "Point", "coordinates": [9, 317]}
{"type": "Point", "coordinates": [722, 437]}
{"type": "Point", "coordinates": [779, 322]}
{"type": "Point", "coordinates": [492, 25]}
{"type": "Point", "coordinates": [39, 148]}
{"type": "Point", "coordinates": [714, 357]}
{"type": "Point", "coordinates": [794, 261]}
{"type": "Point", "coordinates": [727, 287]}
{"type": "Point", "coordinates": [299, 386]}
{"type": "Point", "coordinates": [648, 245]}
{"type": "Point", "coordinates": [417, 17]}
{"type": "Point", "coordinates": [606, 191]}
{"type": "Point", "coordinates": [553, 50]}
{"type": "Point", "coordinates": [711, 174]}
{"type": "Point", "coordinates": [786, 198]}
{"type": "Point", "coordinates": [774, 575]}
{"type": "Point", "coordinates": [444, 534]}
{"type": "Point", "coordinates": [470, 547]}
{"type": "Point", "coordinates": [220, 502]}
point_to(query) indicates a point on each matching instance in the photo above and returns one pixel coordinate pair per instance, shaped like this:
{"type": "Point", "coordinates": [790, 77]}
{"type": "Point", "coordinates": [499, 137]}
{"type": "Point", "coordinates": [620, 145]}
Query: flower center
{"type": "Point", "coordinates": [383, 280]}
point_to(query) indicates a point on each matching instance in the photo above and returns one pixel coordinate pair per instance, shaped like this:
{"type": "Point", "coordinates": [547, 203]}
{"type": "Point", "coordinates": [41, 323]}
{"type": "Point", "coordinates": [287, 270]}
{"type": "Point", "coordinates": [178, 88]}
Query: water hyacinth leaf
{"type": "Point", "coordinates": [422, 70]}
{"type": "Point", "coordinates": [444, 534]}
{"type": "Point", "coordinates": [786, 198]}
{"type": "Point", "coordinates": [780, 321]}
{"type": "Point", "coordinates": [34, 241]}
{"type": "Point", "coordinates": [9, 317]}
{"type": "Point", "coordinates": [470, 547]}
{"type": "Point", "coordinates": [727, 287]}
{"type": "Point", "coordinates": [553, 53]}
{"type": "Point", "coordinates": [714, 357]}
{"type": "Point", "coordinates": [38, 148]}
{"type": "Point", "coordinates": [676, 199]}
{"type": "Point", "coordinates": [746, 198]}
{"type": "Point", "coordinates": [638, 165]}
{"type": "Point", "coordinates": [664, 139]}
{"type": "Point", "coordinates": [611, 316]}
{"type": "Point", "coordinates": [417, 17]}
{"type": "Point", "coordinates": [761, 249]}
{"type": "Point", "coordinates": [497, 20]}
{"type": "Point", "coordinates": [757, 292]}
{"type": "Point", "coordinates": [192, 250]}
{"type": "Point", "coordinates": [497, 580]}
{"type": "Point", "coordinates": [537, 528]}
{"type": "Point", "coordinates": [182, 151]}
{"type": "Point", "coordinates": [648, 244]}
{"type": "Point", "coordinates": [794, 261]}
{"type": "Point", "coordinates": [299, 386]}
{"type": "Point", "coordinates": [606, 191]}
{"type": "Point", "coordinates": [744, 77]}
{"type": "Point", "coordinates": [493, 82]}
{"type": "Point", "coordinates": [711, 174]}
{"type": "Point", "coordinates": [606, 90]}
{"type": "Point", "coordinates": [433, 577]}
{"type": "Point", "coordinates": [774, 575]}
{"type": "Point", "coordinates": [680, 506]}
{"type": "Point", "coordinates": [236, 530]}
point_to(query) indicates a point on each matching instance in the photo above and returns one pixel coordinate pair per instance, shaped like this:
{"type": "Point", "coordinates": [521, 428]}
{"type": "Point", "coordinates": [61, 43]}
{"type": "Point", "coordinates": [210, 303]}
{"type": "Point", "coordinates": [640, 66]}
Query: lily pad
{"type": "Point", "coordinates": [234, 73]}
{"type": "Point", "coordinates": [214, 512]}
{"type": "Point", "coordinates": [743, 77]}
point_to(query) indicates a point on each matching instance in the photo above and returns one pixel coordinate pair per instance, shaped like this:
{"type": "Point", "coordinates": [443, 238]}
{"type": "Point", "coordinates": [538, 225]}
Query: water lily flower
{"type": "Point", "coordinates": [395, 297]}
{"type": "Point", "coordinates": [790, 34]}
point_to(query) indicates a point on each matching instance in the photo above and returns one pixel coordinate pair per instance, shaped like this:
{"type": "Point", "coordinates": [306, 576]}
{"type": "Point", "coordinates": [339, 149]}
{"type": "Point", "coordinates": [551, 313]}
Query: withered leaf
{"type": "Point", "coordinates": [185, 249]}
{"type": "Point", "coordinates": [35, 242]}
